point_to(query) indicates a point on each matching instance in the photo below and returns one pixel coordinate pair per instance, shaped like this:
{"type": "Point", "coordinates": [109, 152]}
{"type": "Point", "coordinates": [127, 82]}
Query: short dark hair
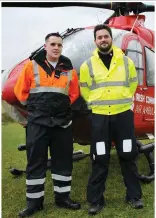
{"type": "Point", "coordinates": [52, 34]}
{"type": "Point", "coordinates": [101, 27]}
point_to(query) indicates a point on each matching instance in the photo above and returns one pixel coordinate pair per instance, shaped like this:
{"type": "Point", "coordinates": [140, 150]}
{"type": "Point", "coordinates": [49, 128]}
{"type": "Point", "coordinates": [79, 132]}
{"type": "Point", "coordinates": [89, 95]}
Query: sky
{"type": "Point", "coordinates": [24, 29]}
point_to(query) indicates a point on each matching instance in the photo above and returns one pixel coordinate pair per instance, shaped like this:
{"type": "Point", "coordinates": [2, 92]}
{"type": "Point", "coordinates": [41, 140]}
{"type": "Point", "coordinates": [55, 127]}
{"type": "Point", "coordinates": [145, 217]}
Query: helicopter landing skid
{"type": "Point", "coordinates": [147, 150]}
{"type": "Point", "coordinates": [77, 155]}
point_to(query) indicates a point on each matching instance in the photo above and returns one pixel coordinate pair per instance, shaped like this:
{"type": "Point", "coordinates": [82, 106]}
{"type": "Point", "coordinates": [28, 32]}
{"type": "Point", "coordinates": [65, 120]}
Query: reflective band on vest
{"type": "Point", "coordinates": [39, 88]}
{"type": "Point", "coordinates": [83, 84]}
{"type": "Point", "coordinates": [111, 102]}
{"type": "Point", "coordinates": [48, 89]}
{"type": "Point", "coordinates": [36, 73]}
{"type": "Point", "coordinates": [109, 83]}
{"type": "Point", "coordinates": [127, 70]}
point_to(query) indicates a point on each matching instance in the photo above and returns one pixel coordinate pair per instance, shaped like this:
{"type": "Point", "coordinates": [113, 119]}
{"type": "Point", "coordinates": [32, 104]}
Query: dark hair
{"type": "Point", "coordinates": [101, 27]}
{"type": "Point", "coordinates": [53, 34]}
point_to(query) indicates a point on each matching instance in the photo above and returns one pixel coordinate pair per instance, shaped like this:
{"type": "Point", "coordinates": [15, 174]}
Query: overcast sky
{"type": "Point", "coordinates": [24, 29]}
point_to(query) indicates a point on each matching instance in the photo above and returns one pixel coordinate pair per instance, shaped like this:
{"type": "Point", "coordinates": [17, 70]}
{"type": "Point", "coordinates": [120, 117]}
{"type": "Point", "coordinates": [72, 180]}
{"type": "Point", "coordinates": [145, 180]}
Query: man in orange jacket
{"type": "Point", "coordinates": [48, 85]}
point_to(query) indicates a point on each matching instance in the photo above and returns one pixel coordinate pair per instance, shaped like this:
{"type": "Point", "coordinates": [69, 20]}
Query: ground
{"type": "Point", "coordinates": [13, 188]}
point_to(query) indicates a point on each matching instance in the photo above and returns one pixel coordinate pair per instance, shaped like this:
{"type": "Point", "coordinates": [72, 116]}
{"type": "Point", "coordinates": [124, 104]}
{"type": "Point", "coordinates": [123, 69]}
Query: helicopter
{"type": "Point", "coordinates": [136, 41]}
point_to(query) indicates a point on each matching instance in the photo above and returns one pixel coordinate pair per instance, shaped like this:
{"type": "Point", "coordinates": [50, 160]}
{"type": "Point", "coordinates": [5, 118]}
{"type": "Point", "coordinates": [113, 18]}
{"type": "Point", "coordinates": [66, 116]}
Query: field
{"type": "Point", "coordinates": [13, 188]}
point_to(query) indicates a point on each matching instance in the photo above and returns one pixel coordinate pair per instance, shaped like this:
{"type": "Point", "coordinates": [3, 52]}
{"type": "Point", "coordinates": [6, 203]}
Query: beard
{"type": "Point", "coordinates": [106, 49]}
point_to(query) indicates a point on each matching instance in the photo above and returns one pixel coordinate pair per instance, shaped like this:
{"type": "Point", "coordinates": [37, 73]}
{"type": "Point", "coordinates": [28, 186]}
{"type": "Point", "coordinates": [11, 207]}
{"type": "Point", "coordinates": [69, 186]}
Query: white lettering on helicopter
{"type": "Point", "coordinates": [139, 97]}
{"type": "Point", "coordinates": [140, 109]}
{"type": "Point", "coordinates": [148, 110]}
{"type": "Point", "coordinates": [143, 98]}
{"type": "Point", "coordinates": [149, 100]}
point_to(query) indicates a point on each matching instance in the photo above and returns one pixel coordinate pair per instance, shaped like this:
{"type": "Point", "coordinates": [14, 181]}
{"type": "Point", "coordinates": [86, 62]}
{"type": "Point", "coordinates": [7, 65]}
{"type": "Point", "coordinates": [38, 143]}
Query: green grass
{"type": "Point", "coordinates": [13, 188]}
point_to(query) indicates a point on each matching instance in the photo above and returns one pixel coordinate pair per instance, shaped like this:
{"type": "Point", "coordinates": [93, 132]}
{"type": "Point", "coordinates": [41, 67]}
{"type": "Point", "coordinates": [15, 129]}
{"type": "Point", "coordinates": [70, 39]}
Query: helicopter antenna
{"type": "Point", "coordinates": [134, 23]}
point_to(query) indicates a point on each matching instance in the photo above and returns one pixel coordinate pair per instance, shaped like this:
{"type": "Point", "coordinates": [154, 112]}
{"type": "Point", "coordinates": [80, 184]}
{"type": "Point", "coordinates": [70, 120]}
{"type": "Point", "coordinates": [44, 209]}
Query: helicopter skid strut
{"type": "Point", "coordinates": [146, 149]}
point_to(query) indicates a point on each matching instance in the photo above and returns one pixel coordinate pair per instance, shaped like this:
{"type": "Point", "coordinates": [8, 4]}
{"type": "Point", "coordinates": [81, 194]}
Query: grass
{"type": "Point", "coordinates": [13, 188]}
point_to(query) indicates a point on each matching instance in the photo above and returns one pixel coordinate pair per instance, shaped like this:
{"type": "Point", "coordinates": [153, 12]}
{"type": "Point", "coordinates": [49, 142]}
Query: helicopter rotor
{"type": "Point", "coordinates": [120, 8]}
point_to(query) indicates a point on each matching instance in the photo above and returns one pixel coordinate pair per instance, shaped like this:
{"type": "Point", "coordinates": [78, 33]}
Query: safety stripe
{"type": "Point", "coordinates": [70, 75]}
{"type": "Point", "coordinates": [126, 69]}
{"type": "Point", "coordinates": [35, 181]}
{"type": "Point", "coordinates": [135, 79]}
{"type": "Point", "coordinates": [48, 89]}
{"type": "Point", "coordinates": [35, 195]}
{"type": "Point", "coordinates": [111, 102]}
{"type": "Point", "coordinates": [109, 83]}
{"type": "Point", "coordinates": [37, 81]}
{"type": "Point", "coordinates": [89, 63]}
{"type": "Point", "coordinates": [69, 79]}
{"type": "Point", "coordinates": [23, 102]}
{"type": "Point", "coordinates": [62, 189]}
{"type": "Point", "coordinates": [61, 178]}
{"type": "Point", "coordinates": [83, 84]}
{"type": "Point", "coordinates": [105, 84]}
{"type": "Point", "coordinates": [36, 73]}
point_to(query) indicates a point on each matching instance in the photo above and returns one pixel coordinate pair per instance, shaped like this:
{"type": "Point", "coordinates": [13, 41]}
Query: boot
{"type": "Point", "coordinates": [30, 210]}
{"type": "Point", "coordinates": [68, 203]}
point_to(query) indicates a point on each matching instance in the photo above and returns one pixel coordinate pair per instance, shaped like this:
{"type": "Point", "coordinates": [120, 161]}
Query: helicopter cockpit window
{"type": "Point", "coordinates": [150, 66]}
{"type": "Point", "coordinates": [134, 51]}
{"type": "Point", "coordinates": [118, 36]}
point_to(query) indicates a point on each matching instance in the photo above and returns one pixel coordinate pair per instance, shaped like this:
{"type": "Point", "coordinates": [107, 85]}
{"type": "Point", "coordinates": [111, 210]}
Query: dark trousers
{"type": "Point", "coordinates": [60, 141]}
{"type": "Point", "coordinates": [120, 129]}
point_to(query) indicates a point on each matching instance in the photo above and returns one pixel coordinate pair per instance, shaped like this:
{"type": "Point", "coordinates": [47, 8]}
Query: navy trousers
{"type": "Point", "coordinates": [60, 142]}
{"type": "Point", "coordinates": [120, 129]}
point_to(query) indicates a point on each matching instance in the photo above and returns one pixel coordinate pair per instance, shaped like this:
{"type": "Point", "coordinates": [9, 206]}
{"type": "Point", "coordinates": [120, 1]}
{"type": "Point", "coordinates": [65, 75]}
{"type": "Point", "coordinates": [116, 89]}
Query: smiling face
{"type": "Point", "coordinates": [53, 47]}
{"type": "Point", "coordinates": [103, 40]}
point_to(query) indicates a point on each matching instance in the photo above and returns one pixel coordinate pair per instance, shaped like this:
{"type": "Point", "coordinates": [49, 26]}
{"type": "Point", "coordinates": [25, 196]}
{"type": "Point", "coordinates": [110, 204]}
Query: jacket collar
{"type": "Point", "coordinates": [117, 52]}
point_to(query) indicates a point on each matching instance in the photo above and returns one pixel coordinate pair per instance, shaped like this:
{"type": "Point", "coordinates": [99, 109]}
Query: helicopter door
{"type": "Point", "coordinates": [134, 51]}
{"type": "Point", "coordinates": [148, 110]}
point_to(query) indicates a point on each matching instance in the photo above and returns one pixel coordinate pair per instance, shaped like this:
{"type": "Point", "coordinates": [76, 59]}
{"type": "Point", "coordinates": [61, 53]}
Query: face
{"type": "Point", "coordinates": [53, 46]}
{"type": "Point", "coordinates": [103, 40]}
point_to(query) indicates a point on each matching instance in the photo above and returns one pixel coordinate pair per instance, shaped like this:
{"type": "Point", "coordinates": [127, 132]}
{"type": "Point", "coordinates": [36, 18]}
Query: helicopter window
{"type": "Point", "coordinates": [79, 46]}
{"type": "Point", "coordinates": [118, 36]}
{"type": "Point", "coordinates": [134, 52]}
{"type": "Point", "coordinates": [150, 66]}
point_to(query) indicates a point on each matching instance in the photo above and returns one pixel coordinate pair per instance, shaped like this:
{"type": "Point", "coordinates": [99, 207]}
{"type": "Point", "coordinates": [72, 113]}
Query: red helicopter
{"type": "Point", "coordinates": [133, 38]}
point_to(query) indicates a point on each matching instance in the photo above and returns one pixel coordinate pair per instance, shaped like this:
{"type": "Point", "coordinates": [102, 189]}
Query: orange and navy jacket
{"type": "Point", "coordinates": [47, 92]}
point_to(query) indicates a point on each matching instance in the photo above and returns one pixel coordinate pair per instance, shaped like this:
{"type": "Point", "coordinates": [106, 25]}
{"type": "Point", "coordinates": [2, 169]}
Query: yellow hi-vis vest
{"type": "Point", "coordinates": [110, 91]}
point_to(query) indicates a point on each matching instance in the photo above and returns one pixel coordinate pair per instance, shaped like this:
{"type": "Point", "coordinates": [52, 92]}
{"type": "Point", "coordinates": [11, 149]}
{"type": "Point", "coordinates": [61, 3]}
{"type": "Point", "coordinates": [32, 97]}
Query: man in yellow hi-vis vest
{"type": "Point", "coordinates": [108, 81]}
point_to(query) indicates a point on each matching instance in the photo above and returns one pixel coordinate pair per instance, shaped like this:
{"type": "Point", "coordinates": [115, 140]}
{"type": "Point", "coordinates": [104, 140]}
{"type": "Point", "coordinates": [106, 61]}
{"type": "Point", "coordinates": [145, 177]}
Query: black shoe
{"type": "Point", "coordinates": [136, 203]}
{"type": "Point", "coordinates": [68, 203]}
{"type": "Point", "coordinates": [28, 211]}
{"type": "Point", "coordinates": [95, 208]}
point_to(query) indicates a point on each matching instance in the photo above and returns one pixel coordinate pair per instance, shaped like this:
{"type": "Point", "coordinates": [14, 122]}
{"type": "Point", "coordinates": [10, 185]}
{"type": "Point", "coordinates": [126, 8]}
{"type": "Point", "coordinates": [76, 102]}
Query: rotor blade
{"type": "Point", "coordinates": [149, 8]}
{"type": "Point", "coordinates": [140, 7]}
{"type": "Point", "coordinates": [124, 7]}
{"type": "Point", "coordinates": [59, 4]}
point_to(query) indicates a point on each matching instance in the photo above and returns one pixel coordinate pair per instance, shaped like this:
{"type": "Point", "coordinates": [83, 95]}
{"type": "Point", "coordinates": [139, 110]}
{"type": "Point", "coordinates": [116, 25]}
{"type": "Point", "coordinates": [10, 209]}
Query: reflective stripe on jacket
{"type": "Point", "coordinates": [108, 91]}
{"type": "Point", "coordinates": [48, 98]}
{"type": "Point", "coordinates": [34, 79]}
